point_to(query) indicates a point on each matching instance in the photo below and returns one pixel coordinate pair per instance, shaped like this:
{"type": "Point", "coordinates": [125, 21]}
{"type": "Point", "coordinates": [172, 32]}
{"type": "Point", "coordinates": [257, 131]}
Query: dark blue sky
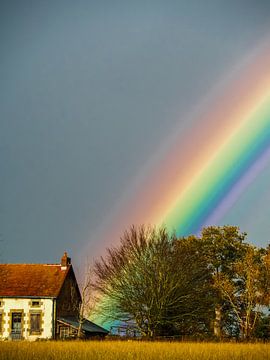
{"type": "Point", "coordinates": [89, 92]}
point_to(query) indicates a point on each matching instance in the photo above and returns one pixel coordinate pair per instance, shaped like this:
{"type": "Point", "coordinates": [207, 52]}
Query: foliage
{"type": "Point", "coordinates": [245, 290]}
{"type": "Point", "coordinates": [262, 328]}
{"type": "Point", "coordinates": [195, 286]}
{"type": "Point", "coordinates": [222, 246]}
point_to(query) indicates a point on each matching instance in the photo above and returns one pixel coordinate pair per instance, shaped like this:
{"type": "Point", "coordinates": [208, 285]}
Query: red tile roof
{"type": "Point", "coordinates": [31, 280]}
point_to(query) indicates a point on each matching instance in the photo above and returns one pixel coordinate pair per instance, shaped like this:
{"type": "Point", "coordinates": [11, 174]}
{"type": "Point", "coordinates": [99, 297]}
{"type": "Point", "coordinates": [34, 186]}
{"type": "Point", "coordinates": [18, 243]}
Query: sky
{"type": "Point", "coordinates": [92, 94]}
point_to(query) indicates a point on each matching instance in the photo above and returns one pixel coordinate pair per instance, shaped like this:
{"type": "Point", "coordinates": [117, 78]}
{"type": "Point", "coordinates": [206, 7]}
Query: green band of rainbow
{"type": "Point", "coordinates": [231, 161]}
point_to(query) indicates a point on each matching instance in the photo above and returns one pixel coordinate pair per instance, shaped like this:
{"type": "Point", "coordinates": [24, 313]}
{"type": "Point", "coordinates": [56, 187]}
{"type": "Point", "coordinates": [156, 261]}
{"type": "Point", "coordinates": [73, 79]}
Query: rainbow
{"type": "Point", "coordinates": [239, 136]}
{"type": "Point", "coordinates": [247, 142]}
{"type": "Point", "coordinates": [205, 169]}
{"type": "Point", "coordinates": [208, 167]}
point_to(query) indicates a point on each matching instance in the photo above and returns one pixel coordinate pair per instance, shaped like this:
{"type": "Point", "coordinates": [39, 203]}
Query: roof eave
{"type": "Point", "coordinates": [26, 297]}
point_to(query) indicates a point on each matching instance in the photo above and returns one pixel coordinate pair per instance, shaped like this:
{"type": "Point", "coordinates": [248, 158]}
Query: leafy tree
{"type": "Point", "coordinates": [245, 290]}
{"type": "Point", "coordinates": [222, 246]}
{"type": "Point", "coordinates": [155, 280]}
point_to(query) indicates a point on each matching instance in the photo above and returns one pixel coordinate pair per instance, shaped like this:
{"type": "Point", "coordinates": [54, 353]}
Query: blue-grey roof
{"type": "Point", "coordinates": [87, 326]}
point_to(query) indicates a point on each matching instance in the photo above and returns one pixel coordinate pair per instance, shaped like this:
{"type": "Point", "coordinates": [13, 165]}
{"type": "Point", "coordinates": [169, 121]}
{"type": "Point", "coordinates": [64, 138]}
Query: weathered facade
{"type": "Point", "coordinates": [41, 301]}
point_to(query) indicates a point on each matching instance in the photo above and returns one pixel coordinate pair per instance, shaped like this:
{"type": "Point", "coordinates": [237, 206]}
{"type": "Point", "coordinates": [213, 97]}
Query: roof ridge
{"type": "Point", "coordinates": [30, 264]}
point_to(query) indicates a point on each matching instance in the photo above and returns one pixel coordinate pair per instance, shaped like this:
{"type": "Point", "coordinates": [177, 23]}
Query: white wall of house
{"type": "Point", "coordinates": [26, 306]}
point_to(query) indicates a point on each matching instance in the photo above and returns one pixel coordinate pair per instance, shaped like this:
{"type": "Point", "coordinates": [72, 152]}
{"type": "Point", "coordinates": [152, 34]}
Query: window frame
{"type": "Point", "coordinates": [35, 303]}
{"type": "Point", "coordinates": [64, 332]}
{"type": "Point", "coordinates": [1, 322]}
{"type": "Point", "coordinates": [35, 331]}
{"type": "Point", "coordinates": [11, 330]}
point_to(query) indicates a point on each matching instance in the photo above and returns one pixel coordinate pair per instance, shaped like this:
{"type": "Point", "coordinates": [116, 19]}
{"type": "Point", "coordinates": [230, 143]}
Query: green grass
{"type": "Point", "coordinates": [131, 350]}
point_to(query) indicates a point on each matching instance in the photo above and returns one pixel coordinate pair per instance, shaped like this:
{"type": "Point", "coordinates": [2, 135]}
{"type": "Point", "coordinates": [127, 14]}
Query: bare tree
{"type": "Point", "coordinates": [88, 299]}
{"type": "Point", "coordinates": [152, 279]}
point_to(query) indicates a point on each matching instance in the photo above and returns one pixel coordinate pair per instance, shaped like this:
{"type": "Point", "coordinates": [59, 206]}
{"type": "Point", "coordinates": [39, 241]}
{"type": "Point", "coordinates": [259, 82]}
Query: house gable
{"type": "Point", "coordinates": [69, 297]}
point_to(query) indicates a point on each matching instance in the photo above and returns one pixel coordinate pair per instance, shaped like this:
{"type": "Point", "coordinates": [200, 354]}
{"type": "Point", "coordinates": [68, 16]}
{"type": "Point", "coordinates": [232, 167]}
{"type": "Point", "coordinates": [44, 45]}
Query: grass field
{"type": "Point", "coordinates": [129, 350]}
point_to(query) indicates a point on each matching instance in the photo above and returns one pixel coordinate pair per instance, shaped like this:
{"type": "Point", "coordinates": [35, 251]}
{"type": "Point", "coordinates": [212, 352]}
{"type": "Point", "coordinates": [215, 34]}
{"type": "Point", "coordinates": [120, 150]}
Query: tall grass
{"type": "Point", "coordinates": [131, 350]}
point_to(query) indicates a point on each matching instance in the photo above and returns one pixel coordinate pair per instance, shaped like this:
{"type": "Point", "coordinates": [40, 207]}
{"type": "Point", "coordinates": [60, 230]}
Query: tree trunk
{"type": "Point", "coordinates": [80, 332]}
{"type": "Point", "coordinates": [217, 322]}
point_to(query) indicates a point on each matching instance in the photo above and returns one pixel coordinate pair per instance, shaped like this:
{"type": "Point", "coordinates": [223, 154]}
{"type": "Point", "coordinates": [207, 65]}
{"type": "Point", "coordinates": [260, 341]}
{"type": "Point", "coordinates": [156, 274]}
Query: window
{"type": "Point", "coordinates": [1, 320]}
{"type": "Point", "coordinates": [16, 321]}
{"type": "Point", "coordinates": [16, 324]}
{"type": "Point", "coordinates": [1, 303]}
{"type": "Point", "coordinates": [64, 332]}
{"type": "Point", "coordinates": [35, 323]}
{"type": "Point", "coordinates": [35, 303]}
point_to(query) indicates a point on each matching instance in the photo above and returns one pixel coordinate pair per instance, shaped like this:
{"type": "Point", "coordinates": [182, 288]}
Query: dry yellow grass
{"type": "Point", "coordinates": [129, 350]}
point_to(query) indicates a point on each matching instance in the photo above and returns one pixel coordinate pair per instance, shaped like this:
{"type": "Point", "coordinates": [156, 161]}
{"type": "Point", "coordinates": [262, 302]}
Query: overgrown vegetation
{"type": "Point", "coordinates": [215, 285]}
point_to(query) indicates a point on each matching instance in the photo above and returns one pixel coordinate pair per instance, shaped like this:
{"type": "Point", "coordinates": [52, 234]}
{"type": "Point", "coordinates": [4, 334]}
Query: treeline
{"type": "Point", "coordinates": [214, 285]}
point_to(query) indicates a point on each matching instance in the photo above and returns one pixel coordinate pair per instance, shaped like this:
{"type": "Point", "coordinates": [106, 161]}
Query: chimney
{"type": "Point", "coordinates": [65, 261]}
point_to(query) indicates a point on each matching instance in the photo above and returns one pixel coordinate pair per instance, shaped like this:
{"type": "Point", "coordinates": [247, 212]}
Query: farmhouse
{"type": "Point", "coordinates": [41, 301]}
